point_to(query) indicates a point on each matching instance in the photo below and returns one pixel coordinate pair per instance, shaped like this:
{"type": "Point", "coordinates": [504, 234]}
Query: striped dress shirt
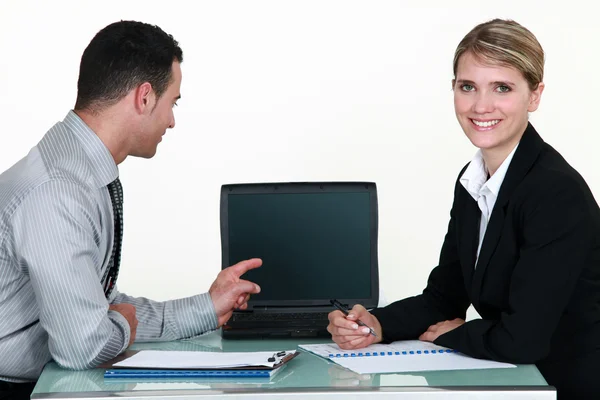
{"type": "Point", "coordinates": [56, 238]}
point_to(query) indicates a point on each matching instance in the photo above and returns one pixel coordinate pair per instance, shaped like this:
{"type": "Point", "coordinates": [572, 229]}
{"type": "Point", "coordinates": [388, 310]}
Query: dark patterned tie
{"type": "Point", "coordinates": [116, 198]}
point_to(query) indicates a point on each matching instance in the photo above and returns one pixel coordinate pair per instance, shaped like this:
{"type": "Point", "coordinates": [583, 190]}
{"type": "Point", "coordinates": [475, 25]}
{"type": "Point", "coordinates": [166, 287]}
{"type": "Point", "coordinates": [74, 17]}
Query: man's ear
{"type": "Point", "coordinates": [535, 96]}
{"type": "Point", "coordinates": [144, 98]}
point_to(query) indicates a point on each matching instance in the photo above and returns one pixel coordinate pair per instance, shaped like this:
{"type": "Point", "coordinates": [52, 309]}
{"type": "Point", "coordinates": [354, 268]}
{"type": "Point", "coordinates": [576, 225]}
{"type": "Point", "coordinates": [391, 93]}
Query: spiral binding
{"type": "Point", "coordinates": [390, 353]}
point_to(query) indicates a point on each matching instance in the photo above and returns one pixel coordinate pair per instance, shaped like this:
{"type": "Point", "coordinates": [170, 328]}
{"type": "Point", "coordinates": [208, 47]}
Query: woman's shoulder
{"type": "Point", "coordinates": [551, 169]}
{"type": "Point", "coordinates": [553, 181]}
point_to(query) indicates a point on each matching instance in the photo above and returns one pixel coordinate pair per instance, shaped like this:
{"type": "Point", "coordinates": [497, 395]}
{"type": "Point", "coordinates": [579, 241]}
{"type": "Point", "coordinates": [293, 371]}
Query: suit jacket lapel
{"type": "Point", "coordinates": [524, 158]}
{"type": "Point", "coordinates": [469, 235]}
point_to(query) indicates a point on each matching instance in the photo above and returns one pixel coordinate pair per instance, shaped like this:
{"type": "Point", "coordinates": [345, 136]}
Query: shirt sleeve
{"type": "Point", "coordinates": [172, 319]}
{"type": "Point", "coordinates": [57, 233]}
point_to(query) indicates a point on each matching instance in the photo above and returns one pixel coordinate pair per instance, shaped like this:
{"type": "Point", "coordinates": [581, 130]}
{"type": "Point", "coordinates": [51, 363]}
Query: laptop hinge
{"type": "Point", "coordinates": [294, 308]}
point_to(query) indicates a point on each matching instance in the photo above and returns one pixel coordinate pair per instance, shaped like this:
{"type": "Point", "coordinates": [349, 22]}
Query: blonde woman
{"type": "Point", "coordinates": [523, 242]}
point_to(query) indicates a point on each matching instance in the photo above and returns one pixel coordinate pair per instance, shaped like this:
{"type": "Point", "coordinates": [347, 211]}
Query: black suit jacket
{"type": "Point", "coordinates": [536, 284]}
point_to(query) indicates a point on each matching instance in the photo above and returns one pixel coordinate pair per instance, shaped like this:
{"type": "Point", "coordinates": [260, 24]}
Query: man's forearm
{"type": "Point", "coordinates": [172, 319]}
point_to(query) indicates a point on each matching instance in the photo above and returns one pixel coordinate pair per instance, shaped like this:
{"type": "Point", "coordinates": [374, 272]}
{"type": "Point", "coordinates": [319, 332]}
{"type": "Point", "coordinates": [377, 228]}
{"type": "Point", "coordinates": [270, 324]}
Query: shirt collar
{"type": "Point", "coordinates": [105, 168]}
{"type": "Point", "coordinates": [496, 180]}
{"type": "Point", "coordinates": [475, 178]}
{"type": "Point", "coordinates": [475, 175]}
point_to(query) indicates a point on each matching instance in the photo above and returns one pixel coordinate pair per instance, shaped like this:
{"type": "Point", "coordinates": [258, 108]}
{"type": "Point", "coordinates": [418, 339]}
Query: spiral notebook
{"type": "Point", "coordinates": [401, 356]}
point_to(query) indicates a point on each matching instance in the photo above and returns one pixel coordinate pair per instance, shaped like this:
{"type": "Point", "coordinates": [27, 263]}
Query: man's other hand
{"type": "Point", "coordinates": [127, 311]}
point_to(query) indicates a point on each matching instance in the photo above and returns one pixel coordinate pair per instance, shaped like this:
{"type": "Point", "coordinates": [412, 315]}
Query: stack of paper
{"type": "Point", "coordinates": [187, 364]}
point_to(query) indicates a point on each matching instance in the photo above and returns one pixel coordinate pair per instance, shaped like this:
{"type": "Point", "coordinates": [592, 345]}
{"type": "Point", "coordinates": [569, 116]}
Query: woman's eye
{"type": "Point", "coordinates": [467, 88]}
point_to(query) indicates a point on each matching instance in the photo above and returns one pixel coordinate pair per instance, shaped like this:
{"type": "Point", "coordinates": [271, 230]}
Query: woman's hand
{"type": "Point", "coordinates": [440, 328]}
{"type": "Point", "coordinates": [348, 334]}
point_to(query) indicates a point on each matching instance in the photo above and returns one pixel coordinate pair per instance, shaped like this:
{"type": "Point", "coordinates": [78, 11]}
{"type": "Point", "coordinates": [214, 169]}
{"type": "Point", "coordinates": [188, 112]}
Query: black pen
{"type": "Point", "coordinates": [343, 309]}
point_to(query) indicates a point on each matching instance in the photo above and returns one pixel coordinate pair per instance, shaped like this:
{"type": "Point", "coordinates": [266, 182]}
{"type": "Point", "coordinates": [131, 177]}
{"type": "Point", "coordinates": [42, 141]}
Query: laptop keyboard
{"type": "Point", "coordinates": [258, 317]}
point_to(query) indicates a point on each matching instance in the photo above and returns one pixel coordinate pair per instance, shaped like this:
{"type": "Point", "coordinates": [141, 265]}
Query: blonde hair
{"type": "Point", "coordinates": [505, 43]}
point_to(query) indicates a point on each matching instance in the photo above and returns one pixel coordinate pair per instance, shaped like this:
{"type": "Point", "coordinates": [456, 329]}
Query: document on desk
{"type": "Point", "coordinates": [206, 360]}
{"type": "Point", "coordinates": [401, 356]}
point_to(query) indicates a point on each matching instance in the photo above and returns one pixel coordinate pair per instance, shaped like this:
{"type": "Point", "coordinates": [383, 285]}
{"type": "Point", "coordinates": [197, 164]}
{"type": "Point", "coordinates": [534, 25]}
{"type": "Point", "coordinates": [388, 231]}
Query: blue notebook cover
{"type": "Point", "coordinates": [194, 373]}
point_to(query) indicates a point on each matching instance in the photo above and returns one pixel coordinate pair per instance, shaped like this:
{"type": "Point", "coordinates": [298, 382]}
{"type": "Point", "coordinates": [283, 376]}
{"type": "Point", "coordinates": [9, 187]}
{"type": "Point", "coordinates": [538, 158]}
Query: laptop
{"type": "Point", "coordinates": [318, 242]}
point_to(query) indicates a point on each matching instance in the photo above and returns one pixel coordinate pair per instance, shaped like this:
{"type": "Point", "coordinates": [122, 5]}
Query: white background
{"type": "Point", "coordinates": [296, 91]}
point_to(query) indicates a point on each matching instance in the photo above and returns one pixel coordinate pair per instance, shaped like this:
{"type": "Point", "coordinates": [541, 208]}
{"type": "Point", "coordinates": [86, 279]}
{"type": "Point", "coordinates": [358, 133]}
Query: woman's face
{"type": "Point", "coordinates": [492, 104]}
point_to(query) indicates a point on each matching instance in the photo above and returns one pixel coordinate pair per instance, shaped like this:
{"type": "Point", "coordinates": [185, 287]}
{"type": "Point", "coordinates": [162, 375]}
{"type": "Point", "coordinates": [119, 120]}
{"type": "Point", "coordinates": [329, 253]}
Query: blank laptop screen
{"type": "Point", "coordinates": [313, 245]}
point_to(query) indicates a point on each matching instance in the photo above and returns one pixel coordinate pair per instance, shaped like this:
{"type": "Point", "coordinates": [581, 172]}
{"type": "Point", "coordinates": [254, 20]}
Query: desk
{"type": "Point", "coordinates": [306, 376]}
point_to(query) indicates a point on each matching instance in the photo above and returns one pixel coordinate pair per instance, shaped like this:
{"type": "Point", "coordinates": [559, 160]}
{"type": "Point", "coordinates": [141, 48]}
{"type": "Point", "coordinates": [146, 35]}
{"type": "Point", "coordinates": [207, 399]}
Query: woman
{"type": "Point", "coordinates": [523, 242]}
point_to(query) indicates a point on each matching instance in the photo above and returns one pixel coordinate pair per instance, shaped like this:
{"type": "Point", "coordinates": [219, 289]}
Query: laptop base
{"type": "Point", "coordinates": [273, 333]}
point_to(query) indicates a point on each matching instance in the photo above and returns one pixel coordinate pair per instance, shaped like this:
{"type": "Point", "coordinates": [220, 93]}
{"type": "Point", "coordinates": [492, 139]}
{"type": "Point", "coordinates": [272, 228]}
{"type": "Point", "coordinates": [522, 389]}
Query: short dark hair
{"type": "Point", "coordinates": [122, 56]}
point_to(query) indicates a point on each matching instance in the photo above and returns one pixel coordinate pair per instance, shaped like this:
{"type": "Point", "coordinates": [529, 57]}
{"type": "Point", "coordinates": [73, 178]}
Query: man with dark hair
{"type": "Point", "coordinates": [121, 57]}
{"type": "Point", "coordinates": [61, 220]}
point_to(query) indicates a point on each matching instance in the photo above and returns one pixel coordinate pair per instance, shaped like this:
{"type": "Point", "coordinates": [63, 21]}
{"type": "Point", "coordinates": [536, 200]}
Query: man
{"type": "Point", "coordinates": [61, 220]}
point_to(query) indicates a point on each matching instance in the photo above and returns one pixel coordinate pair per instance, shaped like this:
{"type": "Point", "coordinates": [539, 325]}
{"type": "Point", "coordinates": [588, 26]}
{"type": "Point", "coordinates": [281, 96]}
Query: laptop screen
{"type": "Point", "coordinates": [318, 241]}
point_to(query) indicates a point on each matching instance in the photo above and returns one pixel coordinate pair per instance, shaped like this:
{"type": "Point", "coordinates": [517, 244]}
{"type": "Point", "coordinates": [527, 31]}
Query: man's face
{"type": "Point", "coordinates": [160, 117]}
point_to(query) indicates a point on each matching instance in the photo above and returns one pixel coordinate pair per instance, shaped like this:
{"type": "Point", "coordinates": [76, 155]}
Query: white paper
{"type": "Point", "coordinates": [199, 359]}
{"type": "Point", "coordinates": [425, 357]}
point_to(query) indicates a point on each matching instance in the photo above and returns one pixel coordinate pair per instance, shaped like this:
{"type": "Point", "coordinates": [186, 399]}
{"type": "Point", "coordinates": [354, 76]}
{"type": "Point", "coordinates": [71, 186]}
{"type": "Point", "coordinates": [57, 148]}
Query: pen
{"type": "Point", "coordinates": [343, 309]}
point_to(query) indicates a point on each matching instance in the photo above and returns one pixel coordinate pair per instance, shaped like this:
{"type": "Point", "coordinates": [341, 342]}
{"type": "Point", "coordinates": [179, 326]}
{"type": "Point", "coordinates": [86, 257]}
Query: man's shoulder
{"type": "Point", "coordinates": [54, 162]}
{"type": "Point", "coordinates": [31, 188]}
{"type": "Point", "coordinates": [63, 155]}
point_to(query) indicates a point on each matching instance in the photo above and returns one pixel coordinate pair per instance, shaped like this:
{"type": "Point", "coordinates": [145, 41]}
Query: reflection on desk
{"type": "Point", "coordinates": [308, 376]}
